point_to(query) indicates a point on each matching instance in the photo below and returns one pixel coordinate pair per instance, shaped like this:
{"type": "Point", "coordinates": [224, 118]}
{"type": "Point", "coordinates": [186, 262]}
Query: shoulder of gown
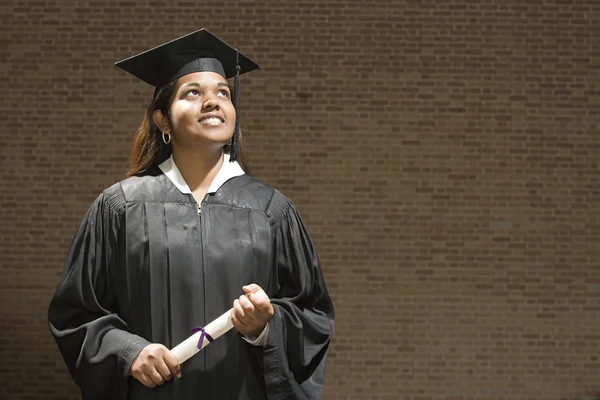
{"type": "Point", "coordinates": [114, 198]}
{"type": "Point", "coordinates": [247, 192]}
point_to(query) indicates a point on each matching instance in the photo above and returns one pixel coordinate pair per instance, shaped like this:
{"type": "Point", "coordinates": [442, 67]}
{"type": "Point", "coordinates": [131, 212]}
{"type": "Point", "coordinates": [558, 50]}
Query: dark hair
{"type": "Point", "coordinates": [148, 149]}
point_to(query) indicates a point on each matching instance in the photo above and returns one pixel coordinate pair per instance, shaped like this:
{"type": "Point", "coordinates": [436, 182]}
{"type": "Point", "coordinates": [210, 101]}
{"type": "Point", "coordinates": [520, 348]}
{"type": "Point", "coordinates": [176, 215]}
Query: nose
{"type": "Point", "coordinates": [210, 104]}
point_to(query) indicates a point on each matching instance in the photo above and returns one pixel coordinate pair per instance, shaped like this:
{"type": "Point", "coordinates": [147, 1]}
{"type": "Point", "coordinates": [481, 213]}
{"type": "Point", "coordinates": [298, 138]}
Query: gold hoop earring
{"type": "Point", "coordinates": [166, 138]}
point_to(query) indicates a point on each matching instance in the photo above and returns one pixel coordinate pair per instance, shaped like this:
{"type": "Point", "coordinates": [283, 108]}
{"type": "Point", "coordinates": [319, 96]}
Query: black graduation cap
{"type": "Point", "coordinates": [195, 52]}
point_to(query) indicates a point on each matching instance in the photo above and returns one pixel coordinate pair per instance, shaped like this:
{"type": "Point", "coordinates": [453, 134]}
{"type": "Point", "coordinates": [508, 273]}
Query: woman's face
{"type": "Point", "coordinates": [202, 110]}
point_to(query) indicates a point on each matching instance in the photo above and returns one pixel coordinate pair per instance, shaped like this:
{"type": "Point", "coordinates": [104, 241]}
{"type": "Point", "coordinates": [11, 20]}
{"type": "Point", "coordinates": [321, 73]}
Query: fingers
{"type": "Point", "coordinates": [256, 294]}
{"type": "Point", "coordinates": [155, 365]}
{"type": "Point", "coordinates": [239, 319]}
{"type": "Point", "coordinates": [158, 372]}
{"type": "Point", "coordinates": [251, 288]}
{"type": "Point", "coordinates": [237, 324]}
{"type": "Point", "coordinates": [259, 299]}
{"type": "Point", "coordinates": [248, 307]}
{"type": "Point", "coordinates": [252, 311]}
{"type": "Point", "coordinates": [238, 311]}
{"type": "Point", "coordinates": [156, 377]}
{"type": "Point", "coordinates": [146, 381]}
{"type": "Point", "coordinates": [173, 364]}
{"type": "Point", "coordinates": [163, 370]}
{"type": "Point", "coordinates": [245, 312]}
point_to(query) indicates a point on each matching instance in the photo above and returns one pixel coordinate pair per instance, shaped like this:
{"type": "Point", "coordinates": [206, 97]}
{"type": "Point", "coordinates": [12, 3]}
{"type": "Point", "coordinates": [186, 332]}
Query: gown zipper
{"type": "Point", "coordinates": [203, 305]}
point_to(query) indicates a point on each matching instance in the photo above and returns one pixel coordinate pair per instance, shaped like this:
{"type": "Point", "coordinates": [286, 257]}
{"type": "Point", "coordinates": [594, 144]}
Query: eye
{"type": "Point", "coordinates": [223, 92]}
{"type": "Point", "coordinates": [192, 92]}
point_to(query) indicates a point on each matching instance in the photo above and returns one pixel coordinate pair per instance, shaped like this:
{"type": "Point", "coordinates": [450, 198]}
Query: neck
{"type": "Point", "coordinates": [198, 170]}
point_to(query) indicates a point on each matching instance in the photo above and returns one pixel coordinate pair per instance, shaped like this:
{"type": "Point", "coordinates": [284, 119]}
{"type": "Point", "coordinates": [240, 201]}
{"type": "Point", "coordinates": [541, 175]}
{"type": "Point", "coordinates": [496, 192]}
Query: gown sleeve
{"type": "Point", "coordinates": [295, 354]}
{"type": "Point", "coordinates": [94, 341]}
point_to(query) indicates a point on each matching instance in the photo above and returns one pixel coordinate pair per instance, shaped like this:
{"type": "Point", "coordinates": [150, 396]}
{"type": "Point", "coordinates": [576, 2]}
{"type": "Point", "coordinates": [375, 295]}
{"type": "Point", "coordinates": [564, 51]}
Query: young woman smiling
{"type": "Point", "coordinates": [184, 238]}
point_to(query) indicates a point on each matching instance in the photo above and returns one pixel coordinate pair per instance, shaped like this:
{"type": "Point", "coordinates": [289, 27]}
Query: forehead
{"type": "Point", "coordinates": [204, 78]}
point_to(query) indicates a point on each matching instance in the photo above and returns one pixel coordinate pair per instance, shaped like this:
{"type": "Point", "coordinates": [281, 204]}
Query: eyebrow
{"type": "Point", "coordinates": [196, 84]}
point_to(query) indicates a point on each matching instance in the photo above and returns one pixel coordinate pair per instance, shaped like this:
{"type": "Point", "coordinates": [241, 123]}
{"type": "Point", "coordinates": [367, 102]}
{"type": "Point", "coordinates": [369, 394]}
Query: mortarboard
{"type": "Point", "coordinates": [195, 52]}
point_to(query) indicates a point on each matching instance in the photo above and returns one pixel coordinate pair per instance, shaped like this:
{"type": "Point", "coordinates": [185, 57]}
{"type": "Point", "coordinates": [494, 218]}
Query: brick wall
{"type": "Point", "coordinates": [444, 154]}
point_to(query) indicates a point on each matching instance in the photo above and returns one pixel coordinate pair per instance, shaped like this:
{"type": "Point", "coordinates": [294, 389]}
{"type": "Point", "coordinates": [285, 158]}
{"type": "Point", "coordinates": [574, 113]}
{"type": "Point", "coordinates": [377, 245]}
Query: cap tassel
{"type": "Point", "coordinates": [236, 103]}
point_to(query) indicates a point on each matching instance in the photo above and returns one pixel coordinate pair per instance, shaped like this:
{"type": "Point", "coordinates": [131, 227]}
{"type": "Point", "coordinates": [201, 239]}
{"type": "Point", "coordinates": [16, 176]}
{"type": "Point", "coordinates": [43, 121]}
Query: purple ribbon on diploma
{"type": "Point", "coordinates": [203, 335]}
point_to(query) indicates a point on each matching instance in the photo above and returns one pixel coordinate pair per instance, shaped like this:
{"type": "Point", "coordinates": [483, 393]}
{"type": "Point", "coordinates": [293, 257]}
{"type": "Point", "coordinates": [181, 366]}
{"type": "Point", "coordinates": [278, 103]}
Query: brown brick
{"type": "Point", "coordinates": [444, 155]}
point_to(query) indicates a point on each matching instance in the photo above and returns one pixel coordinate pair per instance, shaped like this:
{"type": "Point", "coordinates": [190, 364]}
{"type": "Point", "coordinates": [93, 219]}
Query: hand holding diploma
{"type": "Point", "coordinates": [252, 311]}
{"type": "Point", "coordinates": [155, 365]}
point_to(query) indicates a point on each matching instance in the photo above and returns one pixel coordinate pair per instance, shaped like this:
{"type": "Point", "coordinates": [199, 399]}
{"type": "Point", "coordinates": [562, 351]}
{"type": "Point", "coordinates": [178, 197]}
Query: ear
{"type": "Point", "coordinates": [161, 121]}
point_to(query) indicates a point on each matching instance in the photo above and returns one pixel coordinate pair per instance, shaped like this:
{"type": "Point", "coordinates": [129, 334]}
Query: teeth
{"type": "Point", "coordinates": [211, 120]}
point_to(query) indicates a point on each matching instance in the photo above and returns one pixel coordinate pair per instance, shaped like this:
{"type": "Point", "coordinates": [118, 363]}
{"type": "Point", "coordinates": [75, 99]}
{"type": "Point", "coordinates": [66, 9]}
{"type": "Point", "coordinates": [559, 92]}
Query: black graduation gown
{"type": "Point", "coordinates": [144, 268]}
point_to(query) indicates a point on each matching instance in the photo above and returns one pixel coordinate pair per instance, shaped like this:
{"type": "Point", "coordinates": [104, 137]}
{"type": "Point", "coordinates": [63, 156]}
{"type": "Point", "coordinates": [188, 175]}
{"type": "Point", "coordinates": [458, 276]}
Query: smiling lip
{"type": "Point", "coordinates": [206, 117]}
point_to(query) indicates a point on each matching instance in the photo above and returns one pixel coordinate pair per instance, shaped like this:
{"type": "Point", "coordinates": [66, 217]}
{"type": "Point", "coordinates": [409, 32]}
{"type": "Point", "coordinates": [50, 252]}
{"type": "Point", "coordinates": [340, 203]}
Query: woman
{"type": "Point", "coordinates": [172, 246]}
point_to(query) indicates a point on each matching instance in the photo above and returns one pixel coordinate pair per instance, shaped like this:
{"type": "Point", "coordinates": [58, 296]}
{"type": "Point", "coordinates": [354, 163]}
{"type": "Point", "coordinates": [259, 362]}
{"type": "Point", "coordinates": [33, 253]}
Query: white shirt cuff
{"type": "Point", "coordinates": [261, 340]}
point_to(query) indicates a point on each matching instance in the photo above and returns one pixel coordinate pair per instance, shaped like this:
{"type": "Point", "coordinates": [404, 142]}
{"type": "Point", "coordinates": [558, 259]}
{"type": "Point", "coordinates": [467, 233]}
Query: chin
{"type": "Point", "coordinates": [216, 141]}
{"type": "Point", "coordinates": [215, 136]}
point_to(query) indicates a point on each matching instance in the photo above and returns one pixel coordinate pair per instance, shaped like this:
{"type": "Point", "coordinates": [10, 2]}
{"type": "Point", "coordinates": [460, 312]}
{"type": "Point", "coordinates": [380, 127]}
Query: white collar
{"type": "Point", "coordinates": [228, 170]}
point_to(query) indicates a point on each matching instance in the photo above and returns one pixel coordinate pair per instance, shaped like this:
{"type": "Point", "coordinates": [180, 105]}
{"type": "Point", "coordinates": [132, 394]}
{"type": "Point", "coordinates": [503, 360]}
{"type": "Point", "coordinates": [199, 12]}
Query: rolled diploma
{"type": "Point", "coordinates": [189, 346]}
